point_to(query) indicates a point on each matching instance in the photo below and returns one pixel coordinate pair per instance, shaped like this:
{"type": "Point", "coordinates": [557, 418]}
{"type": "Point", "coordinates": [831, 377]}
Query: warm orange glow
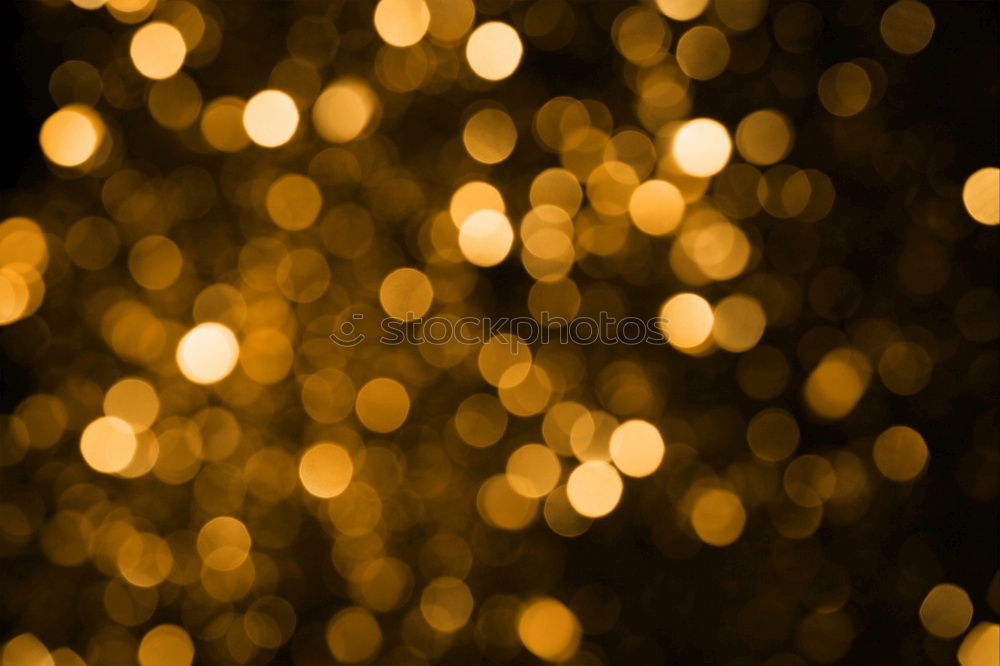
{"type": "Point", "coordinates": [549, 630]}
{"type": "Point", "coordinates": [207, 353]}
{"type": "Point", "coordinates": [108, 444]}
{"type": "Point", "coordinates": [158, 50]}
{"type": "Point", "coordinates": [71, 135]}
{"type": "Point", "coordinates": [494, 50]}
{"type": "Point", "coordinates": [325, 469]}
{"type": "Point", "coordinates": [701, 147]}
{"type": "Point", "coordinates": [270, 118]}
{"type": "Point", "coordinates": [594, 488]}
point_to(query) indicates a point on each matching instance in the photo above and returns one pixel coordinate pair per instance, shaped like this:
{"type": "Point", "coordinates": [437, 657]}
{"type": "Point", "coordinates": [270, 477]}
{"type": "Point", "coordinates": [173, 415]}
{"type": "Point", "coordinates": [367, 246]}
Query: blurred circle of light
{"type": "Point", "coordinates": [293, 202]}
{"type": "Point", "coordinates": [533, 470]}
{"type": "Point", "coordinates": [485, 237]}
{"type": "Point", "coordinates": [718, 517]}
{"type": "Point", "coordinates": [835, 386]}
{"type": "Point", "coordinates": [981, 196]}
{"type": "Point", "coordinates": [682, 10]}
{"type": "Point", "coordinates": [845, 89]}
{"type": "Point", "coordinates": [637, 448]}
{"type": "Point", "coordinates": [703, 52]}
{"type": "Point", "coordinates": [549, 630]}
{"type": "Point", "coordinates": [900, 453]}
{"type": "Point", "coordinates": [208, 353]}
{"type": "Point", "coordinates": [406, 294]}
{"type": "Point", "coordinates": [26, 650]}
{"type": "Point", "coordinates": [446, 604]}
{"type": "Point", "coordinates": [344, 110]}
{"type": "Point", "coordinates": [656, 207]}
{"type": "Point", "coordinates": [979, 647]}
{"type": "Point", "coordinates": [489, 136]}
{"type": "Point", "coordinates": [223, 543]}
{"type": "Point", "coordinates": [71, 135]}
{"type": "Point", "coordinates": [382, 405]}
{"type": "Point", "coordinates": [325, 470]}
{"type": "Point", "coordinates": [946, 611]}
{"type": "Point", "coordinates": [402, 22]}
{"type": "Point", "coordinates": [764, 137]}
{"type": "Point", "coordinates": [353, 635]}
{"type": "Point", "coordinates": [471, 197]}
{"type": "Point", "coordinates": [687, 320]}
{"type": "Point", "coordinates": [108, 444]}
{"type": "Point", "coordinates": [907, 26]}
{"type": "Point", "coordinates": [158, 50]}
{"type": "Point", "coordinates": [166, 645]}
{"type": "Point", "coordinates": [134, 401]}
{"type": "Point", "coordinates": [702, 147]}
{"type": "Point", "coordinates": [594, 488]}
{"type": "Point", "coordinates": [494, 50]}
{"type": "Point", "coordinates": [270, 118]}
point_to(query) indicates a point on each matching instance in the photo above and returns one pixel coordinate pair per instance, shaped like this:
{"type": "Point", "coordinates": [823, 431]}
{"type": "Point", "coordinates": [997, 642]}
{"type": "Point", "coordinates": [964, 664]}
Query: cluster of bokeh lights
{"type": "Point", "coordinates": [208, 289]}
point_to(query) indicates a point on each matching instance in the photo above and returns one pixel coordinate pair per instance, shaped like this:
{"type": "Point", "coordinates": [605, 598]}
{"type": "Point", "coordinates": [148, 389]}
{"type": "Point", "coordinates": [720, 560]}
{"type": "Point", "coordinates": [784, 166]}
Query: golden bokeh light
{"type": "Point", "coordinates": [845, 89]}
{"type": "Point", "coordinates": [533, 470]}
{"type": "Point", "coordinates": [764, 137]}
{"type": "Point", "coordinates": [549, 630]}
{"type": "Point", "coordinates": [325, 469]}
{"type": "Point", "coordinates": [26, 650]}
{"type": "Point", "coordinates": [406, 294]}
{"type": "Point", "coordinates": [701, 147]}
{"type": "Point", "coordinates": [166, 645]}
{"type": "Point", "coordinates": [402, 22]}
{"type": "Point", "coordinates": [946, 611]}
{"type": "Point", "coordinates": [270, 118]}
{"type": "Point", "coordinates": [485, 237]}
{"type": "Point", "coordinates": [686, 320]}
{"type": "Point", "coordinates": [382, 405]}
{"type": "Point", "coordinates": [773, 434]}
{"type": "Point", "coordinates": [481, 420]}
{"type": "Point", "coordinates": [900, 453]}
{"type": "Point", "coordinates": [494, 50]}
{"type": "Point", "coordinates": [134, 401]}
{"type": "Point", "coordinates": [222, 124]}
{"type": "Point", "coordinates": [108, 444]}
{"type": "Point", "coordinates": [446, 604]}
{"type": "Point", "coordinates": [637, 448]}
{"type": "Point", "coordinates": [835, 386]}
{"type": "Point", "coordinates": [293, 202]}
{"type": "Point", "coordinates": [656, 207]}
{"type": "Point", "coordinates": [155, 262]}
{"type": "Point", "coordinates": [71, 135]}
{"type": "Point", "coordinates": [703, 52]}
{"type": "Point", "coordinates": [738, 323]}
{"type": "Point", "coordinates": [981, 646]}
{"type": "Point", "coordinates": [907, 26]}
{"type": "Point", "coordinates": [344, 110]}
{"type": "Point", "coordinates": [981, 196]}
{"type": "Point", "coordinates": [503, 507]}
{"type": "Point", "coordinates": [718, 517]}
{"type": "Point", "coordinates": [223, 543]}
{"type": "Point", "coordinates": [353, 635]}
{"type": "Point", "coordinates": [594, 488]}
{"type": "Point", "coordinates": [207, 353]}
{"type": "Point", "coordinates": [489, 136]}
{"type": "Point", "coordinates": [411, 332]}
{"type": "Point", "coordinates": [472, 197]}
{"type": "Point", "coordinates": [682, 10]}
{"type": "Point", "coordinates": [157, 50]}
